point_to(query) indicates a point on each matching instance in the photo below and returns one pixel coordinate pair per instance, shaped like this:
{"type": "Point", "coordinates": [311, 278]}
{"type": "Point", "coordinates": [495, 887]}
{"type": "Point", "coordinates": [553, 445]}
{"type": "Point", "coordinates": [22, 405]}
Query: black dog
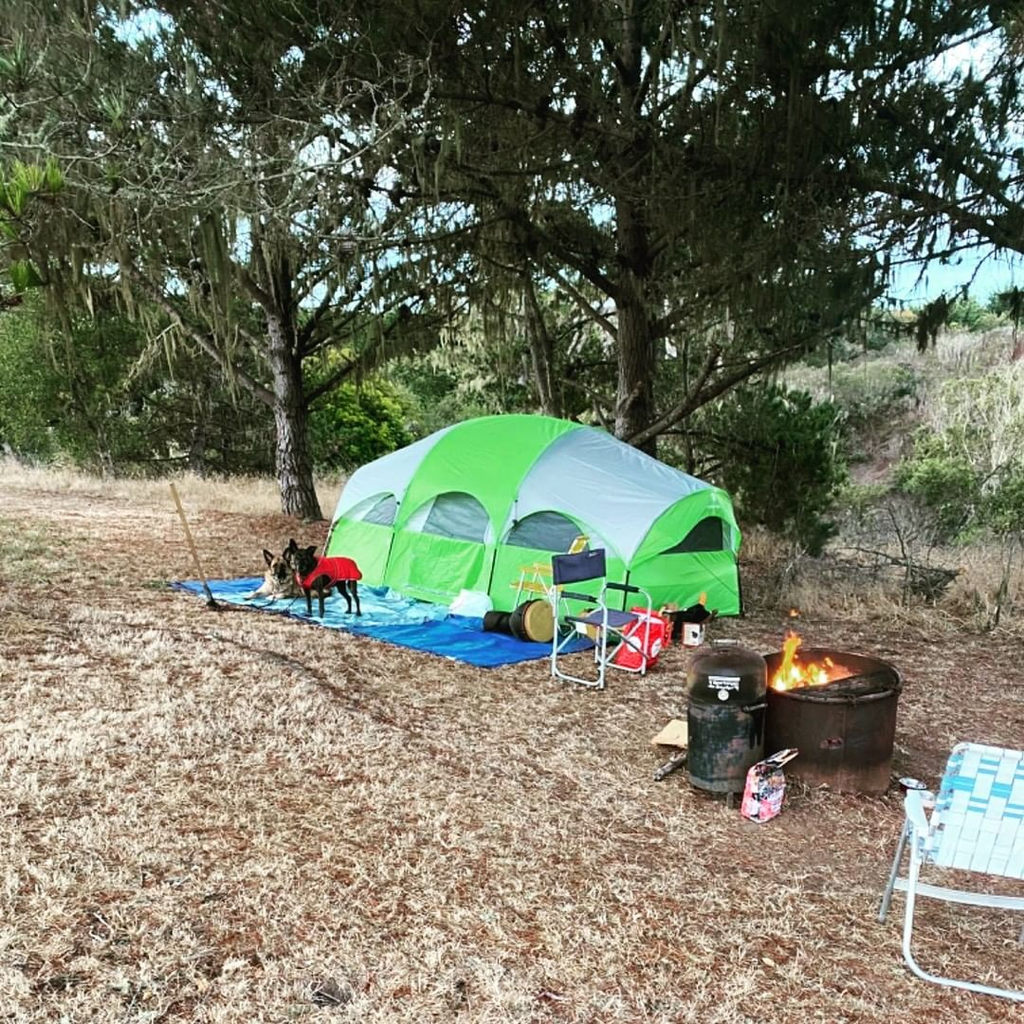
{"type": "Point", "coordinates": [320, 574]}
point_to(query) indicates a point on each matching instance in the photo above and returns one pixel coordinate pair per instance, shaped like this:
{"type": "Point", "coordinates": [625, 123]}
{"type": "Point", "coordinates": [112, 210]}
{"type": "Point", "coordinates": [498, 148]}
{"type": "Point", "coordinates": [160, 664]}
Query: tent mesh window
{"type": "Point", "coordinates": [378, 508]}
{"type": "Point", "coordinates": [708, 535]}
{"type": "Point", "coordinates": [453, 514]}
{"type": "Point", "coordinates": [382, 512]}
{"type": "Point", "coordinates": [545, 531]}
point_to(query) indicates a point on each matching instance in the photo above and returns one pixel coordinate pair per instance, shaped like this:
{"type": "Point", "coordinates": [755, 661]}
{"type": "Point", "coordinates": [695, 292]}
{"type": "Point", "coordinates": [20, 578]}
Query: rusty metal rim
{"type": "Point", "coordinates": [805, 693]}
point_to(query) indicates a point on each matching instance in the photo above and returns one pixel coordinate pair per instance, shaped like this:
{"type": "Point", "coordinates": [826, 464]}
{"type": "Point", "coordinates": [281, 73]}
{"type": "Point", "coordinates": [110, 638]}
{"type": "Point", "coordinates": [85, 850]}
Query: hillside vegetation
{"type": "Point", "coordinates": [931, 512]}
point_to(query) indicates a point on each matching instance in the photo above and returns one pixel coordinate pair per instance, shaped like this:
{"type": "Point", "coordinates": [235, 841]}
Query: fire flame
{"type": "Point", "coordinates": [793, 673]}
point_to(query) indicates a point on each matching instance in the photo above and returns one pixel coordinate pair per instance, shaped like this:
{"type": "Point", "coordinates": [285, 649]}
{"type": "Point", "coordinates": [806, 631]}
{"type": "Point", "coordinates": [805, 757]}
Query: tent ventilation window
{"type": "Point", "coordinates": [707, 535]}
{"type": "Point", "coordinates": [545, 531]}
{"type": "Point", "coordinates": [379, 508]}
{"type": "Point", "coordinates": [383, 512]}
{"type": "Point", "coordinates": [453, 514]}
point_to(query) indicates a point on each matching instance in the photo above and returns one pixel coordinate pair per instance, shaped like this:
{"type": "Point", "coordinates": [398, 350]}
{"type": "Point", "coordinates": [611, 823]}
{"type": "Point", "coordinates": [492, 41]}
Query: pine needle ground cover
{"type": "Point", "coordinates": [221, 816]}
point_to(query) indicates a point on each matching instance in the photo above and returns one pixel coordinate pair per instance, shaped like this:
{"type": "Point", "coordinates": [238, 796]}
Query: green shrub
{"type": "Point", "coordinates": [28, 390]}
{"type": "Point", "coordinates": [943, 481]}
{"type": "Point", "coordinates": [970, 315]}
{"type": "Point", "coordinates": [779, 454]}
{"type": "Point", "coordinates": [354, 425]}
{"type": "Point", "coordinates": [969, 468]}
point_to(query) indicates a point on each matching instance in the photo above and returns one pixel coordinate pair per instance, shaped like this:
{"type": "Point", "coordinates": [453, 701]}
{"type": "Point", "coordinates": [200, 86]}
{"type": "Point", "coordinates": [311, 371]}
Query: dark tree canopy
{"type": "Point", "coordinates": [718, 177]}
{"type": "Point", "coordinates": [686, 195]}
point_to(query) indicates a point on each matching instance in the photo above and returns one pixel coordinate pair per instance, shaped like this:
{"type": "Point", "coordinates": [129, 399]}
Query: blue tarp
{"type": "Point", "coordinates": [393, 618]}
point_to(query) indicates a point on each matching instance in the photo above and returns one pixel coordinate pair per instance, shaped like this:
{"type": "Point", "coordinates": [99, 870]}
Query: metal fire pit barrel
{"type": "Point", "coordinates": [725, 716]}
{"type": "Point", "coordinates": [845, 730]}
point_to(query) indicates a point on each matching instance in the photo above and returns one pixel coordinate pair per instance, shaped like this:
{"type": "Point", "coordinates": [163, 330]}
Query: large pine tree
{"type": "Point", "coordinates": [726, 182]}
{"type": "Point", "coordinates": [221, 163]}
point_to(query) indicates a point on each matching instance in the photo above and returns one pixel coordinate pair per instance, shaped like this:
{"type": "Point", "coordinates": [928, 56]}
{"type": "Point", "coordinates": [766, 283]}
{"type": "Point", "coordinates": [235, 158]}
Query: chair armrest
{"type": "Point", "coordinates": [576, 596]}
{"type": "Point", "coordinates": [624, 587]}
{"type": "Point", "coordinates": [914, 805]}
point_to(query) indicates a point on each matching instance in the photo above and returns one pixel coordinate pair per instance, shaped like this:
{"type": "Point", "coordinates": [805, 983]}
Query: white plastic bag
{"type": "Point", "coordinates": [472, 603]}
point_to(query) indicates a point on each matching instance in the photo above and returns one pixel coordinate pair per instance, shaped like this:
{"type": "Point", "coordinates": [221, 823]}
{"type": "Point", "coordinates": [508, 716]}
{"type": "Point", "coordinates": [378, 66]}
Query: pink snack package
{"type": "Point", "coordinates": [766, 786]}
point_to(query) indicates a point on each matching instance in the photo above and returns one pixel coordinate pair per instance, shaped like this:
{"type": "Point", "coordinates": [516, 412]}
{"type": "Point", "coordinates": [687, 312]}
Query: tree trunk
{"type": "Point", "coordinates": [292, 459]}
{"type": "Point", "coordinates": [634, 400]}
{"type": "Point", "coordinates": [197, 446]}
{"type": "Point", "coordinates": [197, 450]}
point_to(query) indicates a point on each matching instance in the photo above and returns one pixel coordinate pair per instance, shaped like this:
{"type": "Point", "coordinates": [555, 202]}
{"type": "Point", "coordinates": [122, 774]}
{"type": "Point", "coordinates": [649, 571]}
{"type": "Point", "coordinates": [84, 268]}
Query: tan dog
{"type": "Point", "coordinates": [278, 581]}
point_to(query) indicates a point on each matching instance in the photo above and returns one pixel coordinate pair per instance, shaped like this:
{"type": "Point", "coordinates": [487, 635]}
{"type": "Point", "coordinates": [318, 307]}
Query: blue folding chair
{"type": "Point", "coordinates": [601, 623]}
{"type": "Point", "coordinates": [976, 824]}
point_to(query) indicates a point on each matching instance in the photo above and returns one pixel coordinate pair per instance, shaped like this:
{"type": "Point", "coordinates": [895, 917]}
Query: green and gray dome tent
{"type": "Point", "coordinates": [470, 505]}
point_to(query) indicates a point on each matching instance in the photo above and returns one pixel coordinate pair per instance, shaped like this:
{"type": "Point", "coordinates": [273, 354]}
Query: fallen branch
{"type": "Point", "coordinates": [927, 580]}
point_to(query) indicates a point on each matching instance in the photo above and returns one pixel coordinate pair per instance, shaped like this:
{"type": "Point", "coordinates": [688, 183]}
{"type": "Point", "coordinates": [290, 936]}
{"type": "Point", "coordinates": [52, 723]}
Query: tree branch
{"type": "Point", "coordinates": [205, 342]}
{"type": "Point", "coordinates": [594, 314]}
{"type": "Point", "coordinates": [699, 396]}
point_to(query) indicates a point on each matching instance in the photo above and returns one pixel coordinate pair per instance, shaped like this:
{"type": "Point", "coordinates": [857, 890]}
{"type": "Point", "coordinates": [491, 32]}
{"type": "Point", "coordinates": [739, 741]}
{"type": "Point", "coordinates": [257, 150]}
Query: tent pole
{"type": "Point", "coordinates": [330, 534]}
{"type": "Point", "coordinates": [387, 557]}
{"type": "Point", "coordinates": [490, 577]}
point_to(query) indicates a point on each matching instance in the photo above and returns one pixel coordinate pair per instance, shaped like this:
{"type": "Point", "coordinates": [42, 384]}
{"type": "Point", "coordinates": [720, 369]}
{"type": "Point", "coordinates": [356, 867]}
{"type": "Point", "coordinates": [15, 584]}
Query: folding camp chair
{"type": "Point", "coordinates": [976, 824]}
{"type": "Point", "coordinates": [533, 578]}
{"type": "Point", "coordinates": [625, 629]}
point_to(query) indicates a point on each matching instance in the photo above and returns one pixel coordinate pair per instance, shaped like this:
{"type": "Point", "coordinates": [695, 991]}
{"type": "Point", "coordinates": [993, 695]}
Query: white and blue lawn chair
{"type": "Point", "coordinates": [976, 824]}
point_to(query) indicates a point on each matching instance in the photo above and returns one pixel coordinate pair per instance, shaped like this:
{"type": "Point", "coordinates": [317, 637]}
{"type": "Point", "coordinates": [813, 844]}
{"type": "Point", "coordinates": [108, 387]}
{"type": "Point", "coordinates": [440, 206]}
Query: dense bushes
{"type": "Point", "coordinates": [968, 465]}
{"type": "Point", "coordinates": [103, 397]}
{"type": "Point", "coordinates": [779, 454]}
{"type": "Point", "coordinates": [99, 396]}
{"type": "Point", "coordinates": [29, 394]}
{"type": "Point", "coordinates": [356, 424]}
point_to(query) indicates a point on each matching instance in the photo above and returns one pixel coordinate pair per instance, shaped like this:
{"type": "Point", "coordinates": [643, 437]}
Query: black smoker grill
{"type": "Point", "coordinates": [725, 716]}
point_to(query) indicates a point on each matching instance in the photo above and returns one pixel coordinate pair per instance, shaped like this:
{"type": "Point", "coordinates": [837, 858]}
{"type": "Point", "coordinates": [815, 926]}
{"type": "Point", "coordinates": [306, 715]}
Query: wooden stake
{"type": "Point", "coordinates": [210, 603]}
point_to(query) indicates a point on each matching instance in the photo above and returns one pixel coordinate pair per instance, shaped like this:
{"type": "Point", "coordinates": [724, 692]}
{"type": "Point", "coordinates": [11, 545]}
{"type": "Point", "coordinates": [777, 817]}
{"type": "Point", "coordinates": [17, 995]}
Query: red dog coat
{"type": "Point", "coordinates": [337, 570]}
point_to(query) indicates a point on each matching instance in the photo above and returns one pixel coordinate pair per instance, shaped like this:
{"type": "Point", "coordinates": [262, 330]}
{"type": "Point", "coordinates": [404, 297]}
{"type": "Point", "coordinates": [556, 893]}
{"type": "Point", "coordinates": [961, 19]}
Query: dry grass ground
{"type": "Point", "coordinates": [229, 816]}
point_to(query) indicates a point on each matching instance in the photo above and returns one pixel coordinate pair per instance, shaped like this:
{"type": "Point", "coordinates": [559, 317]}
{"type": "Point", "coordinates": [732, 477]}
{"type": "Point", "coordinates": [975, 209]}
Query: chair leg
{"type": "Point", "coordinates": [558, 641]}
{"type": "Point", "coordinates": [908, 929]}
{"type": "Point", "coordinates": [883, 910]}
{"type": "Point", "coordinates": [603, 657]}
